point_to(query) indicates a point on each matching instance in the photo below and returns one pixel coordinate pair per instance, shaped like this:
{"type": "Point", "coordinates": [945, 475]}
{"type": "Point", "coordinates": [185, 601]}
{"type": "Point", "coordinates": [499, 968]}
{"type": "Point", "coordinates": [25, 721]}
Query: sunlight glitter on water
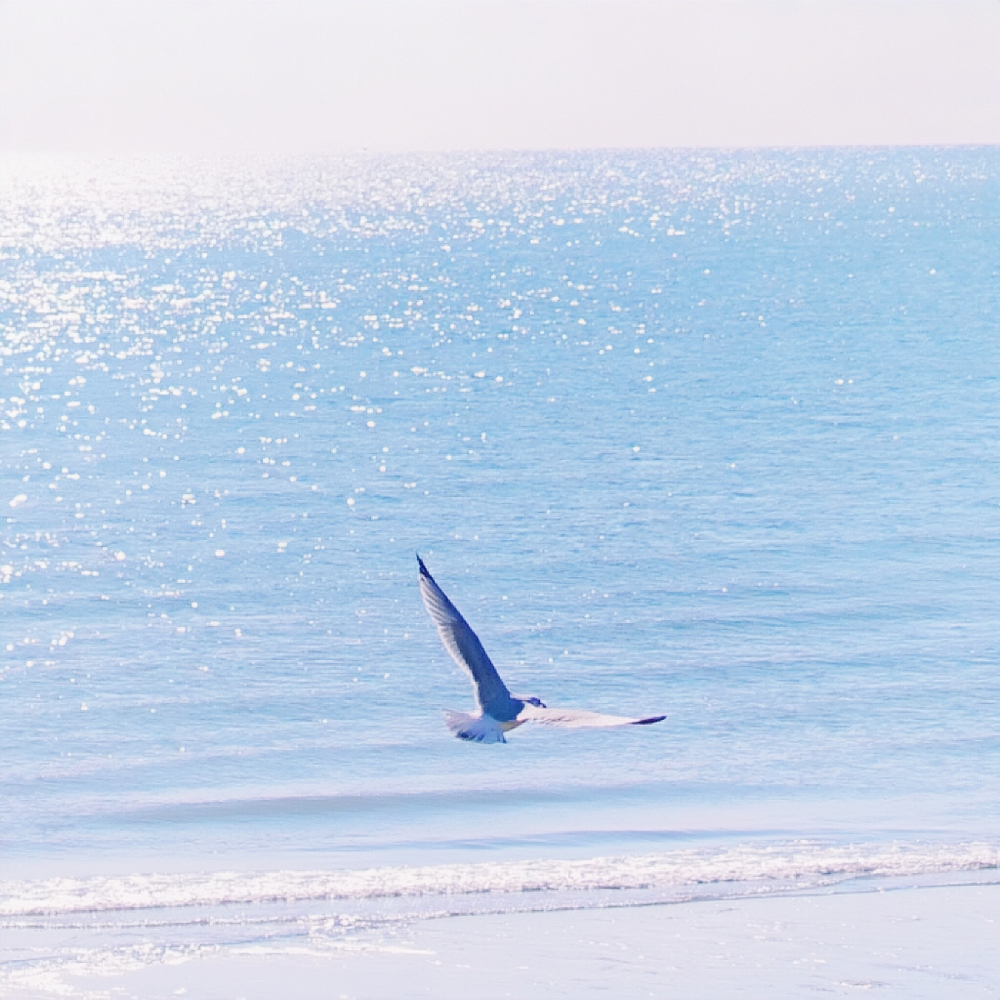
{"type": "Point", "coordinates": [693, 433]}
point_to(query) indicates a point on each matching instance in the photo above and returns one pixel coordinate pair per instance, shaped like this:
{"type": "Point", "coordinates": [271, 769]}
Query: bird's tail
{"type": "Point", "coordinates": [476, 728]}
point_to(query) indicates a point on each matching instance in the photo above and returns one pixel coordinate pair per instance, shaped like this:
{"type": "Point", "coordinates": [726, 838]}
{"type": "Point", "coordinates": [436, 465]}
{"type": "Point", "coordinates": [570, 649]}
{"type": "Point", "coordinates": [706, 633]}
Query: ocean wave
{"type": "Point", "coordinates": [801, 863]}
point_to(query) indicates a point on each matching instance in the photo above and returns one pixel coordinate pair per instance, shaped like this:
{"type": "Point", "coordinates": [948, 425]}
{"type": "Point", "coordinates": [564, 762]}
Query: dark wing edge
{"type": "Point", "coordinates": [461, 641]}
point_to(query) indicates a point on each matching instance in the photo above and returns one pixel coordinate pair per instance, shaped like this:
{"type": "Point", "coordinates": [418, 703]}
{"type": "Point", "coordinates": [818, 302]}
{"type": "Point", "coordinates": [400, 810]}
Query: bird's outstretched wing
{"type": "Point", "coordinates": [462, 643]}
{"type": "Point", "coordinates": [579, 718]}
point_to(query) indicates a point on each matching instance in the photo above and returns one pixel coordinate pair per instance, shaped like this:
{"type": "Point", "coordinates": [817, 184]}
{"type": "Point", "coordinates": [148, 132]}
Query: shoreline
{"type": "Point", "coordinates": [914, 942]}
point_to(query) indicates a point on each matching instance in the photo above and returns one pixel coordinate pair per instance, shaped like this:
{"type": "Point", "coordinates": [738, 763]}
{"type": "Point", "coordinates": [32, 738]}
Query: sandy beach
{"type": "Point", "coordinates": [939, 942]}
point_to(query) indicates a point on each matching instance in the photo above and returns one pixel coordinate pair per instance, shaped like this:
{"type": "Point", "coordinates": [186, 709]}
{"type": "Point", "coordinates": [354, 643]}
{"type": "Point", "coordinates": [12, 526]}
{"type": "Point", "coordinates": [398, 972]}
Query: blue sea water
{"type": "Point", "coordinates": [707, 434]}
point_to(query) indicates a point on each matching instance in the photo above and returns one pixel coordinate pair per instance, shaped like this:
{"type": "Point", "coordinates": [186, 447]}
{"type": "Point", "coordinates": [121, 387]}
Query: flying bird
{"type": "Point", "coordinates": [499, 710]}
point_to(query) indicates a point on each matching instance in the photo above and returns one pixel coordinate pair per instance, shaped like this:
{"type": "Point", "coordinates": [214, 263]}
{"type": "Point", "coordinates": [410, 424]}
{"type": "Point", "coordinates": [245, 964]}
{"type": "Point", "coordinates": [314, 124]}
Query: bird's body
{"type": "Point", "coordinates": [499, 710]}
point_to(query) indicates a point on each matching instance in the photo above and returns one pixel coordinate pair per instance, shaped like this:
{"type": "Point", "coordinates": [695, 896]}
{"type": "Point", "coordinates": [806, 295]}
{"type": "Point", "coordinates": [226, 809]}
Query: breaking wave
{"type": "Point", "coordinates": [801, 863]}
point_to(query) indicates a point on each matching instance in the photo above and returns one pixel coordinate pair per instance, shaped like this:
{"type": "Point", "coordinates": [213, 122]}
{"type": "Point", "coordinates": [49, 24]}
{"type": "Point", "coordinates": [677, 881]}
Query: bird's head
{"type": "Point", "coordinates": [532, 700]}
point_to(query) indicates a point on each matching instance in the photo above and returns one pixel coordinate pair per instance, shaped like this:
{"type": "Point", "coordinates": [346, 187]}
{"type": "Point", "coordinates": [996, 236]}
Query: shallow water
{"type": "Point", "coordinates": [711, 435]}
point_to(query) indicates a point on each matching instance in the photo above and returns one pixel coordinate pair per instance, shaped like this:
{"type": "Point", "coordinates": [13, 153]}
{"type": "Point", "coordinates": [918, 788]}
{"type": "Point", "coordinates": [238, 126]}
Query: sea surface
{"type": "Point", "coordinates": [699, 433]}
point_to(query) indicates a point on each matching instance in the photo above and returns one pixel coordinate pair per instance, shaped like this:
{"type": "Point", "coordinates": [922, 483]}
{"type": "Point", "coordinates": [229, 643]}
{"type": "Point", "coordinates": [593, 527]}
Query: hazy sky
{"type": "Point", "coordinates": [187, 75]}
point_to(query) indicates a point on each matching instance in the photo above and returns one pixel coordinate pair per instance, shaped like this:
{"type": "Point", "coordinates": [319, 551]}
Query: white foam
{"type": "Point", "coordinates": [804, 862]}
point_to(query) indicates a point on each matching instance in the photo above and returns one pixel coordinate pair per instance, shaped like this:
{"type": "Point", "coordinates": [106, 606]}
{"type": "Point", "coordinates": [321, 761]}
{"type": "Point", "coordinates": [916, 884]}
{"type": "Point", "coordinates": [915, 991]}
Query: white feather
{"type": "Point", "coordinates": [476, 728]}
{"type": "Point", "coordinates": [578, 718]}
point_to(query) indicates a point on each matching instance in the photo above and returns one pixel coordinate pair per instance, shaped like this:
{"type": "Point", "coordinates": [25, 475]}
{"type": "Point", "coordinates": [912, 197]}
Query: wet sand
{"type": "Point", "coordinates": [934, 943]}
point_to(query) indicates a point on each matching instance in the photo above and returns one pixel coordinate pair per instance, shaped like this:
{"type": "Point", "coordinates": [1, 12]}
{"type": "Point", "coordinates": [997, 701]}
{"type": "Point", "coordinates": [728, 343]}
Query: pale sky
{"type": "Point", "coordinates": [292, 77]}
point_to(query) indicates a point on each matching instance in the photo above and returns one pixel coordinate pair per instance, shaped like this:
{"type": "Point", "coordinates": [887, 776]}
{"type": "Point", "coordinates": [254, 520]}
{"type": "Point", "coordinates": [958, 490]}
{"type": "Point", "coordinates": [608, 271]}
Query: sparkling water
{"type": "Point", "coordinates": [711, 435]}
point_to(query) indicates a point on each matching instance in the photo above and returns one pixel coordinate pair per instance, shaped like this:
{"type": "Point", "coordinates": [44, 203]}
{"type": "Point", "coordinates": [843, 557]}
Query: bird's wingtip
{"type": "Point", "coordinates": [649, 721]}
{"type": "Point", "coordinates": [420, 563]}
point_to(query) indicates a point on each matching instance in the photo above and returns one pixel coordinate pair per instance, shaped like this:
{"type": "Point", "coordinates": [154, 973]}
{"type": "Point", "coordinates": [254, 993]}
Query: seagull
{"type": "Point", "coordinates": [499, 710]}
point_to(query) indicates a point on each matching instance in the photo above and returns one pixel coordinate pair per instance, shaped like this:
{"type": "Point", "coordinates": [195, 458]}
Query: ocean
{"type": "Point", "coordinates": [709, 434]}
